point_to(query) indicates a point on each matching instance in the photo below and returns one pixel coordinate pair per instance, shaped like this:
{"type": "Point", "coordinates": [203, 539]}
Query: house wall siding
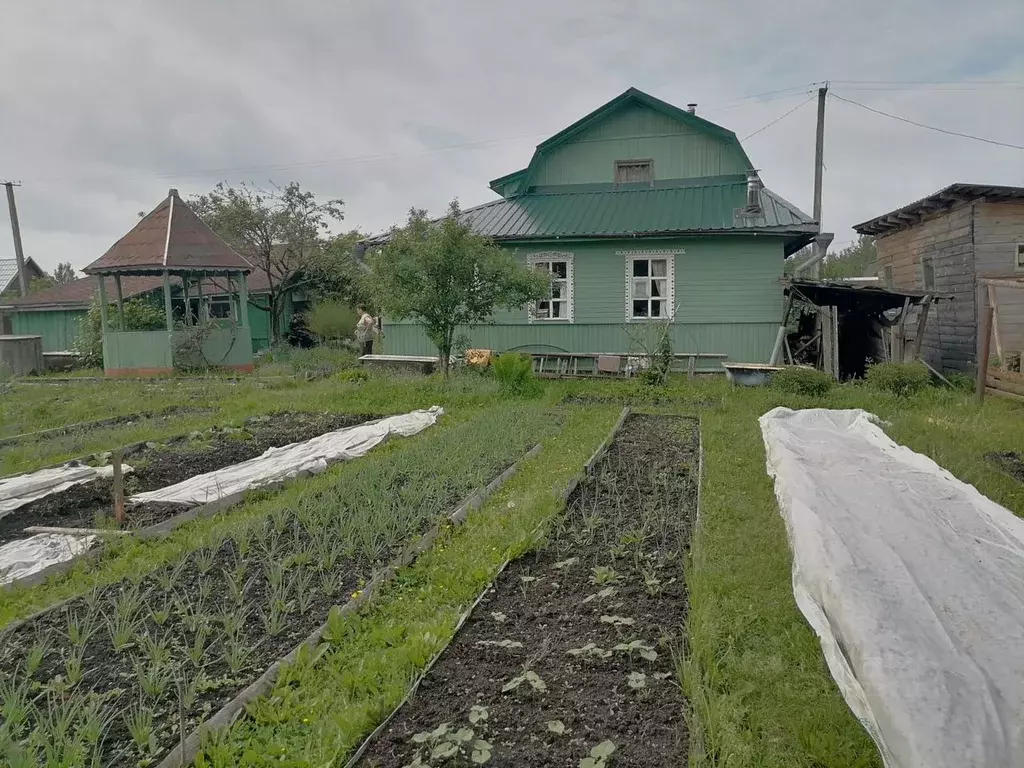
{"type": "Point", "coordinates": [998, 227]}
{"type": "Point", "coordinates": [948, 240]}
{"type": "Point", "coordinates": [59, 328]}
{"type": "Point", "coordinates": [727, 292]}
{"type": "Point", "coordinates": [678, 151]}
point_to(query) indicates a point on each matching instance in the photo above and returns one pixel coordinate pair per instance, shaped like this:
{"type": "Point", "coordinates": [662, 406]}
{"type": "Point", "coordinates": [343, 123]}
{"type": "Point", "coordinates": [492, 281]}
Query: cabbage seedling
{"type": "Point", "coordinates": [530, 677]}
{"type": "Point", "coordinates": [600, 756]}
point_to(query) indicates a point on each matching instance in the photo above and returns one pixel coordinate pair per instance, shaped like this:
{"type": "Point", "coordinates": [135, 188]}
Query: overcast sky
{"type": "Point", "coordinates": [388, 104]}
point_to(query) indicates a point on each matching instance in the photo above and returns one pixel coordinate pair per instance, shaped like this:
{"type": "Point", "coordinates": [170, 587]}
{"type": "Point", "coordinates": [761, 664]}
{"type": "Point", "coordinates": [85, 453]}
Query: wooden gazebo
{"type": "Point", "coordinates": [172, 241]}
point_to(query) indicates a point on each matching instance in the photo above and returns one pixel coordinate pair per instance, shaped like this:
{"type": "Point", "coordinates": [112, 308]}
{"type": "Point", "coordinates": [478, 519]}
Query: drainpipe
{"type": "Point", "coordinates": [821, 243]}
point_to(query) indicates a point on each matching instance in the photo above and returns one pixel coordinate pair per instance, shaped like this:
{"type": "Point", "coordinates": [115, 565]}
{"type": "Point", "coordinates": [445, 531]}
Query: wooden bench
{"type": "Point", "coordinates": [562, 364]}
{"type": "Point", "coordinates": [413, 363]}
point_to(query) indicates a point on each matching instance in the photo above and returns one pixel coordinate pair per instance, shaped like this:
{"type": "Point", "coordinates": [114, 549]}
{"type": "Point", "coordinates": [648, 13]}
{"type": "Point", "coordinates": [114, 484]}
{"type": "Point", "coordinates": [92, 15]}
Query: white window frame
{"type": "Point", "coordinates": [669, 256]}
{"type": "Point", "coordinates": [1018, 257]}
{"type": "Point", "coordinates": [546, 257]}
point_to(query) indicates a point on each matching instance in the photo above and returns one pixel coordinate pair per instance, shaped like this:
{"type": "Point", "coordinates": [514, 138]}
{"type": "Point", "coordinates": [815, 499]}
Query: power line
{"type": "Point", "coordinates": [929, 127]}
{"type": "Point", "coordinates": [780, 117]}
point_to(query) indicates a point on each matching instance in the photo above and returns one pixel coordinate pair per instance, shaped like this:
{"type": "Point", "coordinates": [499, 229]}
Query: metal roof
{"type": "Point", "coordinates": [944, 199]}
{"type": "Point", "coordinates": [171, 236]}
{"type": "Point", "coordinates": [714, 207]}
{"type": "Point", "coordinates": [9, 273]}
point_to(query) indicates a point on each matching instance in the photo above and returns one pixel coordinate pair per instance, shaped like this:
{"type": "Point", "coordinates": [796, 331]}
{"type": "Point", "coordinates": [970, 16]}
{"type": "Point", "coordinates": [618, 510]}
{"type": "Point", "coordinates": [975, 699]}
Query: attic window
{"type": "Point", "coordinates": [1018, 264]}
{"type": "Point", "coordinates": [634, 171]}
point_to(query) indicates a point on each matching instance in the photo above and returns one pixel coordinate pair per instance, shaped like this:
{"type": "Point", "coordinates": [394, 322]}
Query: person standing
{"type": "Point", "coordinates": [366, 329]}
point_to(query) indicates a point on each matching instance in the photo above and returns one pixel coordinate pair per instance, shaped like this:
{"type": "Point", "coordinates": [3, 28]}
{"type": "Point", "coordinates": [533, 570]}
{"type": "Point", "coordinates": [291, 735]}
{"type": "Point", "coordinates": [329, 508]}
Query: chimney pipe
{"type": "Point", "coordinates": [172, 192]}
{"type": "Point", "coordinates": [692, 108]}
{"type": "Point", "coordinates": [753, 192]}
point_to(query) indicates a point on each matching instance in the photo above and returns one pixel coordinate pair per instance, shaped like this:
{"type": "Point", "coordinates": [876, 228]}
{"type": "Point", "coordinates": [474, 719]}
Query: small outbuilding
{"type": "Point", "coordinates": [172, 241]}
{"type": "Point", "coordinates": [956, 242]}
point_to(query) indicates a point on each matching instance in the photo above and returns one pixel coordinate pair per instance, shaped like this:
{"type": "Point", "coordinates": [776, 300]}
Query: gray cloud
{"type": "Point", "coordinates": [106, 105]}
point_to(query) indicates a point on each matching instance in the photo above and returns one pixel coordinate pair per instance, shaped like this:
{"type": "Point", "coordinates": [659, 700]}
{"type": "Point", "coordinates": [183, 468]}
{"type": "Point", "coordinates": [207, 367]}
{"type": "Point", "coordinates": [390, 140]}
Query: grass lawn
{"type": "Point", "coordinates": [759, 692]}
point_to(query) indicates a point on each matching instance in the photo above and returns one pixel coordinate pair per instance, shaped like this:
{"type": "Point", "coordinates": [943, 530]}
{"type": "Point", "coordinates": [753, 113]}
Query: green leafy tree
{"type": "Point", "coordinates": [855, 260]}
{"type": "Point", "coordinates": [332, 320]}
{"type": "Point", "coordinates": [64, 273]}
{"type": "Point", "coordinates": [283, 232]}
{"type": "Point", "coordinates": [442, 275]}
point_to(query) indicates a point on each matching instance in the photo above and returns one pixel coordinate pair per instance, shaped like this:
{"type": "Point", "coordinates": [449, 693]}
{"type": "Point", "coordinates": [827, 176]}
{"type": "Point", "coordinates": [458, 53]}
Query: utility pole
{"type": "Point", "coordinates": [819, 166]}
{"type": "Point", "coordinates": [19, 252]}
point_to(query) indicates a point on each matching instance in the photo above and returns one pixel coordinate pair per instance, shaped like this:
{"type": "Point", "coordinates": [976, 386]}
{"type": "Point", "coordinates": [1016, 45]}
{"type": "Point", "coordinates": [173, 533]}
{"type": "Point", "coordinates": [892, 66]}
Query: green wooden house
{"type": "Point", "coordinates": [642, 212]}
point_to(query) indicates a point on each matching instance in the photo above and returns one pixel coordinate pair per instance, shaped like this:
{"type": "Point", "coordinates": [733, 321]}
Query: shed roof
{"type": "Point", "coordinates": [943, 200]}
{"type": "Point", "coordinates": [846, 295]}
{"type": "Point", "coordinates": [171, 236]}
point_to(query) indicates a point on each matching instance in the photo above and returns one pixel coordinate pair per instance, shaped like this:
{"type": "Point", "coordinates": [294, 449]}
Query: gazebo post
{"type": "Point", "coordinates": [233, 299]}
{"type": "Point", "coordinates": [103, 305]}
{"type": "Point", "coordinates": [243, 299]}
{"type": "Point", "coordinates": [199, 292]}
{"type": "Point", "coordinates": [167, 301]}
{"type": "Point", "coordinates": [120, 303]}
{"type": "Point", "coordinates": [185, 295]}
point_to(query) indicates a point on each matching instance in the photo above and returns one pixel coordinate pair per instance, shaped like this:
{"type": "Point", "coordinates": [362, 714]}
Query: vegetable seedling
{"type": "Point", "coordinates": [600, 756]}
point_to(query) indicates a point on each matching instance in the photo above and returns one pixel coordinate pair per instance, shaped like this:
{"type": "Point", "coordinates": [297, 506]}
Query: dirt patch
{"type": "Point", "coordinates": [1008, 461]}
{"type": "Point", "coordinates": [653, 398]}
{"type": "Point", "coordinates": [589, 627]}
{"type": "Point", "coordinates": [157, 466]}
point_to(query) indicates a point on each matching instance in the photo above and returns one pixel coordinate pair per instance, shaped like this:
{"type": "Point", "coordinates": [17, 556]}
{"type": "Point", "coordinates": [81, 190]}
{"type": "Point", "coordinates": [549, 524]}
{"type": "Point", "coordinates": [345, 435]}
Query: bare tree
{"type": "Point", "coordinates": [283, 232]}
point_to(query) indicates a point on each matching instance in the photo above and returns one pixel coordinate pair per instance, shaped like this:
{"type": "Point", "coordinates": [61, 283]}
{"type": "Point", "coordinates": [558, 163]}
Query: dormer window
{"type": "Point", "coordinates": [634, 171]}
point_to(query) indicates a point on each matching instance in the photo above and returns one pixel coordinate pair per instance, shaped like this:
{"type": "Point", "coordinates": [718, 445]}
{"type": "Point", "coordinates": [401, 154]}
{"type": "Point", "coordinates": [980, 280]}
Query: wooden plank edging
{"type": "Point", "coordinates": [588, 467]}
{"type": "Point", "coordinates": [185, 752]}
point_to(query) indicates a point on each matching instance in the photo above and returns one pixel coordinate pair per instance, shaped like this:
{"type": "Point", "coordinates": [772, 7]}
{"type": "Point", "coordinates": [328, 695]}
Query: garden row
{"type": "Point", "coordinates": [158, 465]}
{"type": "Point", "coordinates": [122, 674]}
{"type": "Point", "coordinates": [570, 658]}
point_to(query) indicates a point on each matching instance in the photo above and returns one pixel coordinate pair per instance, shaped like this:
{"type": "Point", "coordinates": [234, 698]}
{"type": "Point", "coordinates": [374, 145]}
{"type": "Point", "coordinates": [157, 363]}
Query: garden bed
{"type": "Point", "coordinates": [133, 667]}
{"type": "Point", "coordinates": [574, 648]}
{"type": "Point", "coordinates": [90, 505]}
{"type": "Point", "coordinates": [1009, 462]}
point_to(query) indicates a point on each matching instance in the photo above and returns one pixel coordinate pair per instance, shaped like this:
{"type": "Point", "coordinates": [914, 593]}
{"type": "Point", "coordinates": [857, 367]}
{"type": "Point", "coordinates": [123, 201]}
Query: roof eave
{"type": "Point", "coordinates": [945, 199]}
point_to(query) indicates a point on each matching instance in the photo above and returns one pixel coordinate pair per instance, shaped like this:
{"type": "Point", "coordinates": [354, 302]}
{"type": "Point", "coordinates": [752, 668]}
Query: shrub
{"type": "Point", "coordinates": [797, 380]}
{"type": "Point", "coordinates": [353, 374]}
{"type": "Point", "coordinates": [961, 381]}
{"type": "Point", "coordinates": [901, 379]}
{"type": "Point", "coordinates": [332, 320]}
{"type": "Point", "coordinates": [660, 366]}
{"type": "Point", "coordinates": [139, 315]}
{"type": "Point", "coordinates": [514, 373]}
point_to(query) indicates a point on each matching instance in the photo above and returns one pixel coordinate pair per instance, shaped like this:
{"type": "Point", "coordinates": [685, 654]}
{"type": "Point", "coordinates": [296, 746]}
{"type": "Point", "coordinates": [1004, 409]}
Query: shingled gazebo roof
{"type": "Point", "coordinates": [170, 237]}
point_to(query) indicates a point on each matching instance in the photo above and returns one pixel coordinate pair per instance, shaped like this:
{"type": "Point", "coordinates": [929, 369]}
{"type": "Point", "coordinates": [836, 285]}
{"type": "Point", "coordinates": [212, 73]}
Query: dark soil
{"type": "Point", "coordinates": [113, 677]}
{"type": "Point", "coordinates": [652, 398]}
{"type": "Point", "coordinates": [633, 517]}
{"type": "Point", "coordinates": [87, 505]}
{"type": "Point", "coordinates": [1010, 462]}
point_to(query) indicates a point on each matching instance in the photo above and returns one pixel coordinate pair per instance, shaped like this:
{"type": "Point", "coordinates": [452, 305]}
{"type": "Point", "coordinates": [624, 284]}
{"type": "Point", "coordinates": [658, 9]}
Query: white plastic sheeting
{"type": "Point", "coordinates": [27, 556]}
{"type": "Point", "coordinates": [276, 464]}
{"type": "Point", "coordinates": [21, 489]}
{"type": "Point", "coordinates": [913, 581]}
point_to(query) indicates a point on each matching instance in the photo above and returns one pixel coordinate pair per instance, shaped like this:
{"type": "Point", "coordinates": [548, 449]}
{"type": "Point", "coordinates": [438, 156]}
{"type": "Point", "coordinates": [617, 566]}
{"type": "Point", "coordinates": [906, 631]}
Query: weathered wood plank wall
{"type": "Point", "coordinates": [950, 340]}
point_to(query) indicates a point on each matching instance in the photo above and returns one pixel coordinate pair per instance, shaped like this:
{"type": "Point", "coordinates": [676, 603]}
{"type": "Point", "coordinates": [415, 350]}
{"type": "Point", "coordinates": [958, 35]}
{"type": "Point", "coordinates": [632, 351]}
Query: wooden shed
{"type": "Point", "coordinates": [947, 243]}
